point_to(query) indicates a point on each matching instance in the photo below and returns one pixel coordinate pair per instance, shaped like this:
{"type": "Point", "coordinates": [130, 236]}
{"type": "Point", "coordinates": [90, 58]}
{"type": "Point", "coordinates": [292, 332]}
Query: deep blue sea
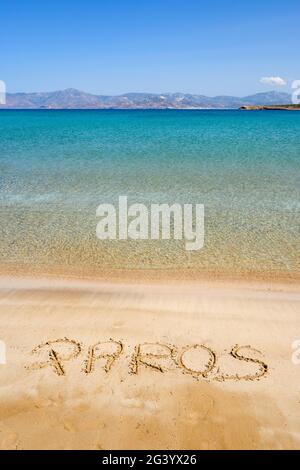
{"type": "Point", "coordinates": [56, 167]}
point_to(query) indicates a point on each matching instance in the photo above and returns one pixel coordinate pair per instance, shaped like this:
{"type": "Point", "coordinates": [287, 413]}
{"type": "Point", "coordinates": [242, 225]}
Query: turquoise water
{"type": "Point", "coordinates": [56, 167]}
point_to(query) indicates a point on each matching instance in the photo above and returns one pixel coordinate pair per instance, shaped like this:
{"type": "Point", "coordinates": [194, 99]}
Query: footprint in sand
{"type": "Point", "coordinates": [68, 426]}
{"type": "Point", "coordinates": [205, 407]}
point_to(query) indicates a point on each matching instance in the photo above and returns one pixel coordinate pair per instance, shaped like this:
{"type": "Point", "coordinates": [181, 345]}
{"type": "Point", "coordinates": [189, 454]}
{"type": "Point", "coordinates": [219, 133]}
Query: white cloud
{"type": "Point", "coordinates": [277, 81]}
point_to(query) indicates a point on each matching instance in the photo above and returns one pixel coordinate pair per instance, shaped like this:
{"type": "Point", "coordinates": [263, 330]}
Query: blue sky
{"type": "Point", "coordinates": [116, 46]}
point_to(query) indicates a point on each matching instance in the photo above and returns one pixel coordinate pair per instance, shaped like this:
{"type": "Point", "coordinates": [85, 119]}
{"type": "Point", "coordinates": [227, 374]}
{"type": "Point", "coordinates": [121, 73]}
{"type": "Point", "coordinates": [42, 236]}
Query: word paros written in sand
{"type": "Point", "coordinates": [198, 360]}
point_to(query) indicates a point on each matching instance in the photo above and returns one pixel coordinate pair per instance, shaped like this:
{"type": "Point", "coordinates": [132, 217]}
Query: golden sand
{"type": "Point", "coordinates": [170, 365]}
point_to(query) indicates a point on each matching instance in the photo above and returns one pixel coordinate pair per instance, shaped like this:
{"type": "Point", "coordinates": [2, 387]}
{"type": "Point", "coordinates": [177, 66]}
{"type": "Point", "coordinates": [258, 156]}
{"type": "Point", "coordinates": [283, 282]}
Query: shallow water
{"type": "Point", "coordinates": [56, 167]}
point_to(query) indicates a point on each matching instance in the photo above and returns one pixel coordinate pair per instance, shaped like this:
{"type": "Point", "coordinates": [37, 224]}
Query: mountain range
{"type": "Point", "coordinates": [76, 99]}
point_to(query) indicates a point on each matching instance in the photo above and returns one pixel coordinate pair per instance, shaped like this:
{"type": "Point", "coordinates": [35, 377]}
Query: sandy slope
{"type": "Point", "coordinates": [191, 387]}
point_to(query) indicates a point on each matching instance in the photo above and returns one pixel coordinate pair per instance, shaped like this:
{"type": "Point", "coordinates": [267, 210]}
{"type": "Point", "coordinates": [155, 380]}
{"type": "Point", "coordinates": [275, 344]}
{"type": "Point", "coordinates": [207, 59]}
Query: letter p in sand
{"type": "Point", "coordinates": [58, 351]}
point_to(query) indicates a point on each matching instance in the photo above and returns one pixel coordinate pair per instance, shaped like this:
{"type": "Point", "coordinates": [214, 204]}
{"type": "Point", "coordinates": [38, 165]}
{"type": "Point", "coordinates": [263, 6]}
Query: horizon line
{"type": "Point", "coordinates": [145, 93]}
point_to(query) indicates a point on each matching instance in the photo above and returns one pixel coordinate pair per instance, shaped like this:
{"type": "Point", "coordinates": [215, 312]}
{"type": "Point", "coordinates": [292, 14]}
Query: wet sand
{"type": "Point", "coordinates": [149, 365]}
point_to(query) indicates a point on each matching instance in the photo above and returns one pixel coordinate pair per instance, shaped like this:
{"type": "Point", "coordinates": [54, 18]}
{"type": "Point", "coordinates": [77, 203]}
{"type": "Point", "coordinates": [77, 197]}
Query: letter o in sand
{"type": "Point", "coordinates": [189, 359]}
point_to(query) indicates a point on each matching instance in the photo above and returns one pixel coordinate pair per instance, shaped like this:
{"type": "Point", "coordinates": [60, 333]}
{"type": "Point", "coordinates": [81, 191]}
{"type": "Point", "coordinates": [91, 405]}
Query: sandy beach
{"type": "Point", "coordinates": [149, 365]}
{"type": "Point", "coordinates": [149, 231]}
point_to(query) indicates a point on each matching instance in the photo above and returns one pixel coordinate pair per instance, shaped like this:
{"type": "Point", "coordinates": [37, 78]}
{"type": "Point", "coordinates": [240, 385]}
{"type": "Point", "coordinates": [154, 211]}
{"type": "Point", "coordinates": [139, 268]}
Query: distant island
{"type": "Point", "coordinates": [76, 99]}
{"type": "Point", "coordinates": [277, 107]}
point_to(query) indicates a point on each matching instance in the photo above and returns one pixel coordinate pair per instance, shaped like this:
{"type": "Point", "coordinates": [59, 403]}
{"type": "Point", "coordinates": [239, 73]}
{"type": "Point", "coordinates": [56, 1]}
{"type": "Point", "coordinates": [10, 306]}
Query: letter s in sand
{"type": "Point", "coordinates": [236, 353]}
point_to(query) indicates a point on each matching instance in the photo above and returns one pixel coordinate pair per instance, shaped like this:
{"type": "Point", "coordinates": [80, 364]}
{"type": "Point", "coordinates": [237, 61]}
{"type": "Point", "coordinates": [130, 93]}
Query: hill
{"type": "Point", "coordinates": [76, 99]}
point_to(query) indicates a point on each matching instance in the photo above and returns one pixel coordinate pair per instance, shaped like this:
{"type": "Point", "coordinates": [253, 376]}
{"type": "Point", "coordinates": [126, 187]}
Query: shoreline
{"type": "Point", "coordinates": [288, 107]}
{"type": "Point", "coordinates": [152, 275]}
{"type": "Point", "coordinates": [239, 287]}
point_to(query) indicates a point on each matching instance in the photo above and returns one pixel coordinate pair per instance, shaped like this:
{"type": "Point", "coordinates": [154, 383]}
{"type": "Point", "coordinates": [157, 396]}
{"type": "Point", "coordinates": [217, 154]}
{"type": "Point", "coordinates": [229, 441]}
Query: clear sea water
{"type": "Point", "coordinates": [56, 167]}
